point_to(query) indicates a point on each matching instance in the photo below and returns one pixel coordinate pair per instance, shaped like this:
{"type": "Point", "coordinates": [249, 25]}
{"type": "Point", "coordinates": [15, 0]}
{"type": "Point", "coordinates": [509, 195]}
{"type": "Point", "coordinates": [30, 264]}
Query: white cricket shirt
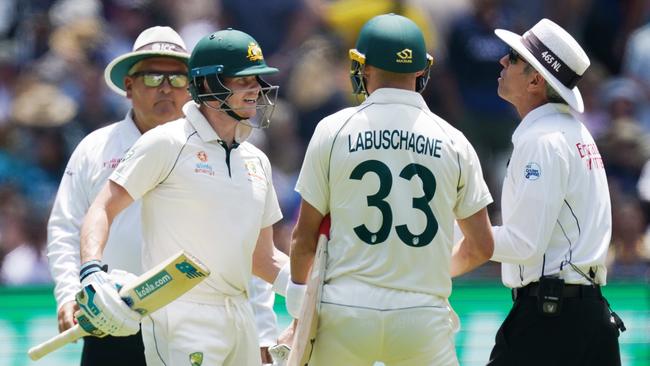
{"type": "Point", "coordinates": [88, 169]}
{"type": "Point", "coordinates": [394, 177]}
{"type": "Point", "coordinates": [198, 196]}
{"type": "Point", "coordinates": [555, 202]}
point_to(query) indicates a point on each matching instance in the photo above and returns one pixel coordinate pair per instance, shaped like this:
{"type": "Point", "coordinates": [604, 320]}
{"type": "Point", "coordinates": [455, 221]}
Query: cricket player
{"type": "Point", "coordinates": [215, 172]}
{"type": "Point", "coordinates": [556, 212]}
{"type": "Point", "coordinates": [154, 77]}
{"type": "Point", "coordinates": [394, 177]}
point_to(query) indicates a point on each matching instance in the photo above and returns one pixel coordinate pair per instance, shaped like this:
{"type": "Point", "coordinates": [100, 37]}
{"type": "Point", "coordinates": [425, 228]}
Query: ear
{"type": "Point", "coordinates": [537, 84]}
{"type": "Point", "coordinates": [128, 86]}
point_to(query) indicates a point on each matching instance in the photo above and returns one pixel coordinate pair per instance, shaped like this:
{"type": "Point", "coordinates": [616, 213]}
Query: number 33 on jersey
{"type": "Point", "coordinates": [394, 177]}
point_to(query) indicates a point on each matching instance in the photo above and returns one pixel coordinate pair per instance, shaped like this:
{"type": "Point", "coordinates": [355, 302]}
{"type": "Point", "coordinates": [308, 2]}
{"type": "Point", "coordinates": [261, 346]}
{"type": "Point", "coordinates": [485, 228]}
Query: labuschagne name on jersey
{"type": "Point", "coordinates": [396, 140]}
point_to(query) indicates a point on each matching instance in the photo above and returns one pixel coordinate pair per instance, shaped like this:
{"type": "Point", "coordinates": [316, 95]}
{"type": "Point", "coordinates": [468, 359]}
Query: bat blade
{"type": "Point", "coordinates": [149, 292]}
{"type": "Point", "coordinates": [305, 335]}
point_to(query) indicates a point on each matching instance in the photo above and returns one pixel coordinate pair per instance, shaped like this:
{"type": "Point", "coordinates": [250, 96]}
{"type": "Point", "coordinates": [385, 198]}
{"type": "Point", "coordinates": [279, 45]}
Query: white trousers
{"type": "Point", "coordinates": [351, 333]}
{"type": "Point", "coordinates": [190, 333]}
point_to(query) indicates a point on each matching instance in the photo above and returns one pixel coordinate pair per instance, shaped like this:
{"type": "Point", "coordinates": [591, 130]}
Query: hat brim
{"type": "Point", "coordinates": [571, 96]}
{"type": "Point", "coordinates": [118, 68]}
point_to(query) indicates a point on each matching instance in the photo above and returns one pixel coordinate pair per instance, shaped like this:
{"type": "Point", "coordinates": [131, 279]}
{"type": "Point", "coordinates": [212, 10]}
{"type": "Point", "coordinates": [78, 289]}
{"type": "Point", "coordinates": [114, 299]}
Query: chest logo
{"type": "Point", "coordinates": [202, 167]}
{"type": "Point", "coordinates": [254, 171]}
{"type": "Point", "coordinates": [532, 171]}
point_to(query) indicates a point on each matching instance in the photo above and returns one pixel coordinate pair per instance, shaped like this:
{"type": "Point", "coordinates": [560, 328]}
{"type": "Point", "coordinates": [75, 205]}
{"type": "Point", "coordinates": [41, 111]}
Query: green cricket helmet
{"type": "Point", "coordinates": [231, 53]}
{"type": "Point", "coordinates": [393, 43]}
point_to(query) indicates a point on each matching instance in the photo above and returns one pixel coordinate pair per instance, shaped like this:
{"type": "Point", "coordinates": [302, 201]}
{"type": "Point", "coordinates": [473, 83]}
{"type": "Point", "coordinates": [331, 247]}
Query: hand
{"type": "Point", "coordinates": [102, 306]}
{"type": "Point", "coordinates": [286, 337]}
{"type": "Point", "coordinates": [65, 315]}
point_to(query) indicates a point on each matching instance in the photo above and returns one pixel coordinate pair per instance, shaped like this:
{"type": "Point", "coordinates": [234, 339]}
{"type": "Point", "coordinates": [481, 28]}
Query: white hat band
{"type": "Point", "coordinates": [550, 61]}
{"type": "Point", "coordinates": [162, 46]}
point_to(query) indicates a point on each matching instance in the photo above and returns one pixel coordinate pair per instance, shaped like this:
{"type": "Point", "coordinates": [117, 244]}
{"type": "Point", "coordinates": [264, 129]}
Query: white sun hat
{"type": "Point", "coordinates": [555, 54]}
{"type": "Point", "coordinates": [152, 42]}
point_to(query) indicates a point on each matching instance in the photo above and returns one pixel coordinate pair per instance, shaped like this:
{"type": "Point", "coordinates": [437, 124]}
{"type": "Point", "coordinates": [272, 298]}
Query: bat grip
{"type": "Point", "coordinates": [56, 342]}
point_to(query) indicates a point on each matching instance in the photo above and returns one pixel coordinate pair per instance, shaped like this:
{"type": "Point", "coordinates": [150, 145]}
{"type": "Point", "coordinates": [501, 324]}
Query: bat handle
{"type": "Point", "coordinates": [56, 342]}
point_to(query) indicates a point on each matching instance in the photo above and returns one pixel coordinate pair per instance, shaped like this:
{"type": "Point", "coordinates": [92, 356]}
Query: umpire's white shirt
{"type": "Point", "coordinates": [88, 169]}
{"type": "Point", "coordinates": [193, 200]}
{"type": "Point", "coordinates": [407, 175]}
{"type": "Point", "coordinates": [555, 201]}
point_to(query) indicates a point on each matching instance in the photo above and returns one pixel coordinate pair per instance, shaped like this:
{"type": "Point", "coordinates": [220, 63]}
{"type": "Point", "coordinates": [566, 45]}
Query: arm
{"type": "Point", "coordinates": [267, 259]}
{"type": "Point", "coordinates": [304, 241]}
{"type": "Point", "coordinates": [110, 201]}
{"type": "Point", "coordinates": [477, 245]}
{"type": "Point", "coordinates": [63, 228]}
{"type": "Point", "coordinates": [534, 204]}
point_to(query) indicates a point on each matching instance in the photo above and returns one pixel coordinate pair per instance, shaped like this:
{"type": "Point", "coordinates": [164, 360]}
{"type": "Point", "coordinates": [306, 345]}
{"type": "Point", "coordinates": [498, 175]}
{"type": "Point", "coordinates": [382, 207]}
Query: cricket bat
{"type": "Point", "coordinates": [305, 336]}
{"type": "Point", "coordinates": [149, 292]}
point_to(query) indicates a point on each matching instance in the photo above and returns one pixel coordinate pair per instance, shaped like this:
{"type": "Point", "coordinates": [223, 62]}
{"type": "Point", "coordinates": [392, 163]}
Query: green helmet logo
{"type": "Point", "coordinates": [393, 43]}
{"type": "Point", "coordinates": [230, 53]}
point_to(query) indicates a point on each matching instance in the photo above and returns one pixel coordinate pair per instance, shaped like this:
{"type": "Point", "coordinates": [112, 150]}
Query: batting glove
{"type": "Point", "coordinates": [119, 278]}
{"type": "Point", "coordinates": [100, 303]}
{"type": "Point", "coordinates": [294, 299]}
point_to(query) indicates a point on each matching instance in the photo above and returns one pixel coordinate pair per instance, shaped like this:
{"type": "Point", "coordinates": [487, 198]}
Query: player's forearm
{"type": "Point", "coordinates": [477, 245]}
{"type": "Point", "coordinates": [464, 259]}
{"type": "Point", "coordinates": [303, 250]}
{"type": "Point", "coordinates": [94, 234]}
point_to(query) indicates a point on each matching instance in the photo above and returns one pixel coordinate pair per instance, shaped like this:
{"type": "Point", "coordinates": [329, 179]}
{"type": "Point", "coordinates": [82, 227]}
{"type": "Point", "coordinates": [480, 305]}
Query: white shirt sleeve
{"type": "Point", "coordinates": [146, 164]}
{"type": "Point", "coordinates": [272, 212]}
{"type": "Point", "coordinates": [262, 299]}
{"type": "Point", "coordinates": [473, 193]}
{"type": "Point", "coordinates": [312, 183]}
{"type": "Point", "coordinates": [538, 173]}
{"type": "Point", "coordinates": [64, 226]}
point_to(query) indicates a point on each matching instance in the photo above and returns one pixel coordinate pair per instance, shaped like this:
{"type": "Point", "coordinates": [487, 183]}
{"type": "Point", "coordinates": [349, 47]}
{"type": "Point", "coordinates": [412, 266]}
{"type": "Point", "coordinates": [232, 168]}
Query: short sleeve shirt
{"type": "Point", "coordinates": [394, 177]}
{"type": "Point", "coordinates": [200, 197]}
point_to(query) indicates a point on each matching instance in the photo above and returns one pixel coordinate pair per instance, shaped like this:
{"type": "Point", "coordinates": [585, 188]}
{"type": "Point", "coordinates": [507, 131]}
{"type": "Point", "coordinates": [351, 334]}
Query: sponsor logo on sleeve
{"type": "Point", "coordinates": [532, 171]}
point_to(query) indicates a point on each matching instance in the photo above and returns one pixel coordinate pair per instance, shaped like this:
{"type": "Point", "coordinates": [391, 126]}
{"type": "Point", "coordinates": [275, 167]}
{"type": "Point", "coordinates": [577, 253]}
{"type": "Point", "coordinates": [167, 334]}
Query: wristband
{"type": "Point", "coordinates": [91, 267]}
{"type": "Point", "coordinates": [294, 299]}
{"type": "Point", "coordinates": [282, 280]}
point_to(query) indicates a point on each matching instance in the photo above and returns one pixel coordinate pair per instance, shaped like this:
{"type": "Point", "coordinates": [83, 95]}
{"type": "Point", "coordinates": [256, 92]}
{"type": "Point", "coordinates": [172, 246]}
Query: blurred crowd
{"type": "Point", "coordinates": [52, 93]}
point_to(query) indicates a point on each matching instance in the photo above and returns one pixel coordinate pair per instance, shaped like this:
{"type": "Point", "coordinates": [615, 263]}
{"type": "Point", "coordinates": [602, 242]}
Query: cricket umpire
{"type": "Point", "coordinates": [556, 212]}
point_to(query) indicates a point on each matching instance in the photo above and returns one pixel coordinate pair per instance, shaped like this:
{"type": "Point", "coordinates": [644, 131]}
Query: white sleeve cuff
{"type": "Point", "coordinates": [282, 280]}
{"type": "Point", "coordinates": [294, 299]}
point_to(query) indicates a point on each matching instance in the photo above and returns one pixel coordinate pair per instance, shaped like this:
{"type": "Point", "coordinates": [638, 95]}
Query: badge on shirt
{"type": "Point", "coordinates": [196, 358]}
{"type": "Point", "coordinates": [532, 171]}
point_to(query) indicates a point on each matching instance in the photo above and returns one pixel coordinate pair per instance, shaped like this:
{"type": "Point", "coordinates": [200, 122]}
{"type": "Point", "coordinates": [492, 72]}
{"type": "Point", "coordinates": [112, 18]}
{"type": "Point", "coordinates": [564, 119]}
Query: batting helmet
{"type": "Point", "coordinates": [230, 53]}
{"type": "Point", "coordinates": [393, 43]}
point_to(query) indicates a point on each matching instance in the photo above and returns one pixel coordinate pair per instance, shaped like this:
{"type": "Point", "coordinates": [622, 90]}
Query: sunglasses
{"type": "Point", "coordinates": [513, 56]}
{"type": "Point", "coordinates": [154, 79]}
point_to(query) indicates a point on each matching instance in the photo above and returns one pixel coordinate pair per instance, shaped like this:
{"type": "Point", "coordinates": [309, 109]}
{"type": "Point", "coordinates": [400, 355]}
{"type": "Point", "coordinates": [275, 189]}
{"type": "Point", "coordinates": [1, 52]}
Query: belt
{"type": "Point", "coordinates": [532, 289]}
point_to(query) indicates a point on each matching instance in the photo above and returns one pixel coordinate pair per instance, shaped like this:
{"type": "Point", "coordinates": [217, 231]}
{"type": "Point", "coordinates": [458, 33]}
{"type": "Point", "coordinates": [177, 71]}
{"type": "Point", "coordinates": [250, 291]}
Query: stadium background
{"type": "Point", "coordinates": [52, 93]}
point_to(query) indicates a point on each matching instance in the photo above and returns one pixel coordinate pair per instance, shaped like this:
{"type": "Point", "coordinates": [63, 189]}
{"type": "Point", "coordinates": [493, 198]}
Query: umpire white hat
{"type": "Point", "coordinates": [555, 54]}
{"type": "Point", "coordinates": [152, 42]}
